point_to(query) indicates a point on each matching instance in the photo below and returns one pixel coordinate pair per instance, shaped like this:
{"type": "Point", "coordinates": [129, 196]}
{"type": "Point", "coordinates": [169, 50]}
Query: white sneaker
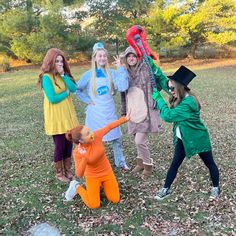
{"type": "Point", "coordinates": [162, 194]}
{"type": "Point", "coordinates": [125, 167]}
{"type": "Point", "coordinates": [72, 190]}
{"type": "Point", "coordinates": [215, 192]}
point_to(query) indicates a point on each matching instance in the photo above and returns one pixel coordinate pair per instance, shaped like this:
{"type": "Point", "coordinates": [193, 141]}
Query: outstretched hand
{"type": "Point", "coordinates": [128, 114]}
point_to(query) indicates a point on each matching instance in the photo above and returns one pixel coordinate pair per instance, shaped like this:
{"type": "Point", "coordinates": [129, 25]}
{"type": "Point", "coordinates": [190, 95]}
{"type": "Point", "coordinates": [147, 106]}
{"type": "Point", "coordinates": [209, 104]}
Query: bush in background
{"type": "Point", "coordinates": [5, 64]}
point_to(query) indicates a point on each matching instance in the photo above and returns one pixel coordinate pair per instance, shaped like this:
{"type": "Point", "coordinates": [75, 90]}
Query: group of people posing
{"type": "Point", "coordinates": [142, 106]}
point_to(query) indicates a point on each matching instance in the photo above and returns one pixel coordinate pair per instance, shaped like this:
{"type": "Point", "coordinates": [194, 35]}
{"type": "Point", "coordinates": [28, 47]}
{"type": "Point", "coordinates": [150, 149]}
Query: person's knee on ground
{"type": "Point", "coordinates": [113, 193]}
{"type": "Point", "coordinates": [90, 201]}
{"type": "Point", "coordinates": [93, 205]}
{"type": "Point", "coordinates": [111, 188]}
{"type": "Point", "coordinates": [114, 199]}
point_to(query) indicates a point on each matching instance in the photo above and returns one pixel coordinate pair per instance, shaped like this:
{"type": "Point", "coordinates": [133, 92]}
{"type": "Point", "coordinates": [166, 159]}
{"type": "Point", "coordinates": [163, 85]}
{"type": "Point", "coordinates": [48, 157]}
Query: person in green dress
{"type": "Point", "coordinates": [190, 134]}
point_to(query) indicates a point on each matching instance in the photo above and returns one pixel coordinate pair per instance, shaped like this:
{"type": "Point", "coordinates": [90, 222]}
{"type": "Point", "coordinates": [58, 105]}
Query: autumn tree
{"type": "Point", "coordinates": [189, 23]}
{"type": "Point", "coordinates": [30, 27]}
{"type": "Point", "coordinates": [111, 19]}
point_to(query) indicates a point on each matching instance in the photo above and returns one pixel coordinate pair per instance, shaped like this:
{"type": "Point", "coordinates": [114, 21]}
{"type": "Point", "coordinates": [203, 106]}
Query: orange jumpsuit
{"type": "Point", "coordinates": [91, 161]}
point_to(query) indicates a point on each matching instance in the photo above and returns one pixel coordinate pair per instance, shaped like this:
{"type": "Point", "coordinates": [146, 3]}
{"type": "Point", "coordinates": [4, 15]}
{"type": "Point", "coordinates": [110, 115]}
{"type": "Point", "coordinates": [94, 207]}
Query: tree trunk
{"type": "Point", "coordinates": [117, 46]}
{"type": "Point", "coordinates": [192, 51]}
{"type": "Point", "coordinates": [29, 10]}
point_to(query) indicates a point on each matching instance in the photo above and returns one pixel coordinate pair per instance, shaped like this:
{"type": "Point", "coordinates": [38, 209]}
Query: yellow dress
{"type": "Point", "coordinates": [59, 117]}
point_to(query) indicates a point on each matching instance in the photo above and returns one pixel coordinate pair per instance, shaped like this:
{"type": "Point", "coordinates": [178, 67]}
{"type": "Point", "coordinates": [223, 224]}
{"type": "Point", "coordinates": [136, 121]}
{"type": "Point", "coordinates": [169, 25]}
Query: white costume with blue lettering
{"type": "Point", "coordinates": [103, 112]}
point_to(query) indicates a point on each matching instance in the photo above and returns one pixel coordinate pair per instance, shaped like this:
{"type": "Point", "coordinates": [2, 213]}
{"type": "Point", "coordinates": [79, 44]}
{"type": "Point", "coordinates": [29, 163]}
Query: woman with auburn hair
{"type": "Point", "coordinates": [91, 162]}
{"type": "Point", "coordinates": [57, 82]}
{"type": "Point", "coordinates": [96, 88]}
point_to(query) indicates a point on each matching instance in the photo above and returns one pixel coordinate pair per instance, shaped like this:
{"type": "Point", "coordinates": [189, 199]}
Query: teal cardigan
{"type": "Point", "coordinates": [49, 89]}
{"type": "Point", "coordinates": [186, 115]}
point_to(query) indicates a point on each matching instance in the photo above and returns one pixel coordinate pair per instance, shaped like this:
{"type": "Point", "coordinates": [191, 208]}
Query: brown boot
{"type": "Point", "coordinates": [139, 165]}
{"type": "Point", "coordinates": [147, 170]}
{"type": "Point", "coordinates": [59, 172]}
{"type": "Point", "coordinates": [67, 168]}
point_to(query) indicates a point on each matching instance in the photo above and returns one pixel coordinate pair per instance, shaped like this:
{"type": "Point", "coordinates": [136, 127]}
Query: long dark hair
{"type": "Point", "coordinates": [181, 93]}
{"type": "Point", "coordinates": [48, 65]}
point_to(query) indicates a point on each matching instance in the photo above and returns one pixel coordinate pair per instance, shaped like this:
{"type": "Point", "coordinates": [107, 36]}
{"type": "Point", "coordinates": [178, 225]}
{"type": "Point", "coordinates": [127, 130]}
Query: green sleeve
{"type": "Point", "coordinates": [50, 92]}
{"type": "Point", "coordinates": [179, 113]}
{"type": "Point", "coordinates": [69, 83]}
{"type": "Point", "coordinates": [161, 79]}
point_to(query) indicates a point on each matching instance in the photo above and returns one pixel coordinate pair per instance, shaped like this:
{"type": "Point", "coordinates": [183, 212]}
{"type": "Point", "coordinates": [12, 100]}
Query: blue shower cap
{"type": "Point", "coordinates": [97, 46]}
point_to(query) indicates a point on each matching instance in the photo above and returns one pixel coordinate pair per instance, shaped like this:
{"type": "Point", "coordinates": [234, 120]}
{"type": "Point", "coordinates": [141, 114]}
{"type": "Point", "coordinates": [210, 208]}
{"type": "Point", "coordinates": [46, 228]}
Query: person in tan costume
{"type": "Point", "coordinates": [144, 118]}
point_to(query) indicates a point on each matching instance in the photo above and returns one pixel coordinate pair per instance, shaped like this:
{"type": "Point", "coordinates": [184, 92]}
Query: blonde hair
{"type": "Point", "coordinates": [106, 70]}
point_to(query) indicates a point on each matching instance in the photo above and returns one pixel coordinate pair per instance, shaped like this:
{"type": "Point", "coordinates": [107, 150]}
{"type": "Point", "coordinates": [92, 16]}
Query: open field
{"type": "Point", "coordinates": [30, 194]}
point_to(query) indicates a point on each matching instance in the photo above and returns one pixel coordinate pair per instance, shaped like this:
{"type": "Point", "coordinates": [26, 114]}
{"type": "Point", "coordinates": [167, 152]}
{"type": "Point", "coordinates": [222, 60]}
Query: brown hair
{"type": "Point", "coordinates": [74, 135]}
{"type": "Point", "coordinates": [48, 65]}
{"type": "Point", "coordinates": [132, 70]}
{"type": "Point", "coordinates": [181, 93]}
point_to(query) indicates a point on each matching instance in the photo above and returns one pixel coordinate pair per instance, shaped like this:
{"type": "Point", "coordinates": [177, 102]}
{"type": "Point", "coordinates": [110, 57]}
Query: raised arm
{"type": "Point", "coordinates": [50, 92]}
{"type": "Point", "coordinates": [161, 79]}
{"type": "Point", "coordinates": [103, 131]}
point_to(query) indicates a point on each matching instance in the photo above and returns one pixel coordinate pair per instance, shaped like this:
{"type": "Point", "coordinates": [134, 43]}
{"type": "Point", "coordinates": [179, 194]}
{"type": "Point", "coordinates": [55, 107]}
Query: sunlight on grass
{"type": "Point", "coordinates": [30, 194]}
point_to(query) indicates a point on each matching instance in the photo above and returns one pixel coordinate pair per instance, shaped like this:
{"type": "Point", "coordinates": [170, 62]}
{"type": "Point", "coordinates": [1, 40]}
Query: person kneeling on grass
{"type": "Point", "coordinates": [91, 161]}
{"type": "Point", "coordinates": [190, 134]}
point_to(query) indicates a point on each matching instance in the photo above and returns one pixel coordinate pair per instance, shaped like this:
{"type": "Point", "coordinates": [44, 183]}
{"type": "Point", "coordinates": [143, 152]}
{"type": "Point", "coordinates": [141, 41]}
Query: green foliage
{"type": "Point", "coordinates": [221, 38]}
{"type": "Point", "coordinates": [222, 20]}
{"type": "Point", "coordinates": [34, 45]}
{"type": "Point", "coordinates": [82, 42]}
{"type": "Point", "coordinates": [16, 23]}
{"type": "Point", "coordinates": [188, 23]}
{"type": "Point", "coordinates": [113, 18]}
{"type": "Point", "coordinates": [30, 27]}
{"type": "Point", "coordinates": [30, 194]}
{"type": "Point", "coordinates": [4, 44]}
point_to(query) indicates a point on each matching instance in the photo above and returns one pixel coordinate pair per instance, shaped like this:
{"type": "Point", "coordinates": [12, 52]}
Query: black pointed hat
{"type": "Point", "coordinates": [183, 76]}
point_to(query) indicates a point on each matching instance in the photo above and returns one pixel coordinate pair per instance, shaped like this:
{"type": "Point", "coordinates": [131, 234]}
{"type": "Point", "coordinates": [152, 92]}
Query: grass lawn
{"type": "Point", "coordinates": [29, 193]}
